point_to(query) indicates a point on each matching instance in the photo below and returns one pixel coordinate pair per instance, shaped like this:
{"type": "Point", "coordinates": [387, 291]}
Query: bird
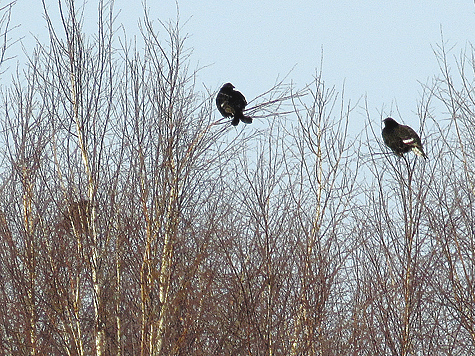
{"type": "Point", "coordinates": [401, 138]}
{"type": "Point", "coordinates": [231, 103]}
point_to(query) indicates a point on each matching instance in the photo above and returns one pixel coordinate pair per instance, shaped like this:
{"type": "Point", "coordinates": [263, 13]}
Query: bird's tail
{"type": "Point", "coordinates": [240, 116]}
{"type": "Point", "coordinates": [418, 151]}
{"type": "Point", "coordinates": [246, 119]}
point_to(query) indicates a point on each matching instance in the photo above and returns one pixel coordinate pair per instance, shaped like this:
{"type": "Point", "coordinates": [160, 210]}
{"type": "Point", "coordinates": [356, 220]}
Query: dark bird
{"type": "Point", "coordinates": [401, 138]}
{"type": "Point", "coordinates": [231, 103]}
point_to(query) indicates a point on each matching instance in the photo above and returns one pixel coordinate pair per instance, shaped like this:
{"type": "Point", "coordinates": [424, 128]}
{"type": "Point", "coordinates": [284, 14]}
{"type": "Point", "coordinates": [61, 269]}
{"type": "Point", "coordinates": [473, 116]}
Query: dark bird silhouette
{"type": "Point", "coordinates": [231, 103]}
{"type": "Point", "coordinates": [401, 138]}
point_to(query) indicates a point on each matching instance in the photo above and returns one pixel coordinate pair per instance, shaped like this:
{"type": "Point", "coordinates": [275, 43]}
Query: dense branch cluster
{"type": "Point", "coordinates": [134, 222]}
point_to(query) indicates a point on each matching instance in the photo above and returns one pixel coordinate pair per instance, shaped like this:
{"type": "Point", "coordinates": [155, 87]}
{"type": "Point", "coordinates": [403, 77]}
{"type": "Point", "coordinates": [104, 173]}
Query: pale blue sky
{"type": "Point", "coordinates": [381, 49]}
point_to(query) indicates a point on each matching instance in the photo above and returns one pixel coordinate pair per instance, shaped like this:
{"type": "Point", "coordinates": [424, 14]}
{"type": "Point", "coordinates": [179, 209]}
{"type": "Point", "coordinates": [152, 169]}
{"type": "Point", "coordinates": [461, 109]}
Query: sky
{"type": "Point", "coordinates": [379, 49]}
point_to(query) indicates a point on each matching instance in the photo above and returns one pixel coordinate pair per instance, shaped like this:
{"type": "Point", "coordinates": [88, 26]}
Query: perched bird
{"type": "Point", "coordinates": [231, 103]}
{"type": "Point", "coordinates": [401, 138]}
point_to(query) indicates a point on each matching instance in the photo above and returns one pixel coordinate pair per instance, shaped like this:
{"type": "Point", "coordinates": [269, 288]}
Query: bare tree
{"type": "Point", "coordinates": [451, 218]}
{"type": "Point", "coordinates": [5, 31]}
{"type": "Point", "coordinates": [133, 221]}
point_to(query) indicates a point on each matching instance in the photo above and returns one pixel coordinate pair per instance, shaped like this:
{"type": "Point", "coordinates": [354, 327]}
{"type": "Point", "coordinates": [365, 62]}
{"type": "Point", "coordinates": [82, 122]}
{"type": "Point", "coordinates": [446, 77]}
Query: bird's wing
{"type": "Point", "coordinates": [408, 136]}
{"type": "Point", "coordinates": [222, 102]}
{"type": "Point", "coordinates": [239, 99]}
{"type": "Point", "coordinates": [409, 141]}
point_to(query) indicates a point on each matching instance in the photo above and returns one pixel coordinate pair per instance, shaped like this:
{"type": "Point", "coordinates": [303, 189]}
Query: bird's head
{"type": "Point", "coordinates": [390, 122]}
{"type": "Point", "coordinates": [228, 86]}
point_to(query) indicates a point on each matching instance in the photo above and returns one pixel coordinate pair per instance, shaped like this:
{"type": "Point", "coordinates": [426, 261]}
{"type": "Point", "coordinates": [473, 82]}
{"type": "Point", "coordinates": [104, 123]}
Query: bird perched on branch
{"type": "Point", "coordinates": [401, 138]}
{"type": "Point", "coordinates": [231, 103]}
